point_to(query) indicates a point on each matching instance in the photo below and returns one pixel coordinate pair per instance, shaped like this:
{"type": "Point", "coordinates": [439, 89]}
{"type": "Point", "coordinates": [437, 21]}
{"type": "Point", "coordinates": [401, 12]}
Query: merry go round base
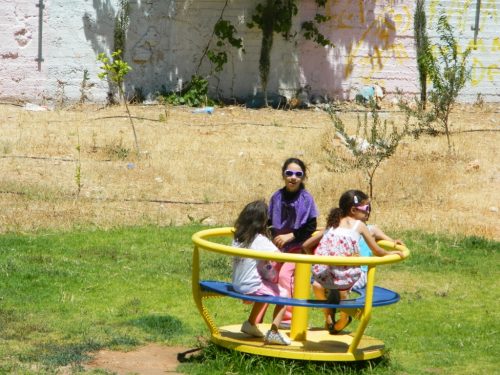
{"type": "Point", "coordinates": [319, 345]}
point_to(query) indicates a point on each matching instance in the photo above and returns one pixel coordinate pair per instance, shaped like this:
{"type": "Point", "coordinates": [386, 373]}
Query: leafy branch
{"type": "Point", "coordinates": [311, 30]}
{"type": "Point", "coordinates": [373, 143]}
{"type": "Point", "coordinates": [225, 32]}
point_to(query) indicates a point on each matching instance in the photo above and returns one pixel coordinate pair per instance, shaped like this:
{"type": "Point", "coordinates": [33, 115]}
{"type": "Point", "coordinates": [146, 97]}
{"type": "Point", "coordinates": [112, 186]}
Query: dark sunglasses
{"type": "Point", "coordinates": [290, 173]}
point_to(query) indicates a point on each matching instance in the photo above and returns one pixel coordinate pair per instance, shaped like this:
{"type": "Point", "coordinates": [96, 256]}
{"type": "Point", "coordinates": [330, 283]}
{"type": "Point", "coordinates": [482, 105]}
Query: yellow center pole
{"type": "Point", "coordinates": [302, 286]}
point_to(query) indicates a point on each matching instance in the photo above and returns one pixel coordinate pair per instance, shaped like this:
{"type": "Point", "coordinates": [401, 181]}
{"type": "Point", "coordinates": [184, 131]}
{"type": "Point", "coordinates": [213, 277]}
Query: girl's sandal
{"type": "Point", "coordinates": [333, 331]}
{"type": "Point", "coordinates": [331, 328]}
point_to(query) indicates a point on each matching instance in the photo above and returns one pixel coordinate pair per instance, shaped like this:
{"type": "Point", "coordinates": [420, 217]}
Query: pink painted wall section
{"type": "Point", "coordinates": [373, 43]}
{"type": "Point", "coordinates": [373, 40]}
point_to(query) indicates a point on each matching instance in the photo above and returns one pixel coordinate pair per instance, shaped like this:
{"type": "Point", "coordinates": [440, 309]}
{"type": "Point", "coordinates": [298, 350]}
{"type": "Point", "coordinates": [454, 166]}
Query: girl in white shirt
{"type": "Point", "coordinates": [253, 276]}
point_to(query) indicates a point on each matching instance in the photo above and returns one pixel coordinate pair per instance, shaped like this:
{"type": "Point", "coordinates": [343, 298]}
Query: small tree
{"type": "Point", "coordinates": [422, 48]}
{"type": "Point", "coordinates": [115, 69]}
{"type": "Point", "coordinates": [373, 142]}
{"type": "Point", "coordinates": [449, 72]}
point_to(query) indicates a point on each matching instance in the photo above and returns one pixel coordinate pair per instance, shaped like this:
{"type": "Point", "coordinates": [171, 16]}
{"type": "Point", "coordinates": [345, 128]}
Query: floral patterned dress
{"type": "Point", "coordinates": [342, 242]}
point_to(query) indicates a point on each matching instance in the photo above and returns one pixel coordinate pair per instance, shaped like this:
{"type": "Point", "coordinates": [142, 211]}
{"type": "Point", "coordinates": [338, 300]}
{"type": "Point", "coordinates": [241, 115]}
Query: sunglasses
{"type": "Point", "coordinates": [366, 208]}
{"type": "Point", "coordinates": [298, 174]}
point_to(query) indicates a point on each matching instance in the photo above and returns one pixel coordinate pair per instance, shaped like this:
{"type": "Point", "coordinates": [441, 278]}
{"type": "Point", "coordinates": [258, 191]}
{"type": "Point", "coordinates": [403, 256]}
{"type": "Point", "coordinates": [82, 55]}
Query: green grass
{"type": "Point", "coordinates": [65, 295]}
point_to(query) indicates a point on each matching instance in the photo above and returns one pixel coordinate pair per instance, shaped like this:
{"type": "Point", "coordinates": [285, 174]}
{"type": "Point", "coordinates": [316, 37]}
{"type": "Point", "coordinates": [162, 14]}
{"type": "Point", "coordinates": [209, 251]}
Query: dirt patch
{"type": "Point", "coordinates": [152, 359]}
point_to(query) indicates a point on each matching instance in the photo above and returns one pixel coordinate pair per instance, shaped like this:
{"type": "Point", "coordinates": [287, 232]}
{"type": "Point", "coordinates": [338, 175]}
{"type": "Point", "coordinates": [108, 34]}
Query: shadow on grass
{"type": "Point", "coordinates": [62, 354]}
{"type": "Point", "coordinates": [51, 354]}
{"type": "Point", "coordinates": [160, 326]}
{"type": "Point", "coordinates": [55, 355]}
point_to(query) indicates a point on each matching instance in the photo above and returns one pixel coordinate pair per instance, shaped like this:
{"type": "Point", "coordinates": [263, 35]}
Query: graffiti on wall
{"type": "Point", "coordinates": [461, 14]}
{"type": "Point", "coordinates": [379, 27]}
{"type": "Point", "coordinates": [376, 26]}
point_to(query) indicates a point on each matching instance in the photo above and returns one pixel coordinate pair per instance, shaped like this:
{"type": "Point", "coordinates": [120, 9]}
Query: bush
{"type": "Point", "coordinates": [193, 94]}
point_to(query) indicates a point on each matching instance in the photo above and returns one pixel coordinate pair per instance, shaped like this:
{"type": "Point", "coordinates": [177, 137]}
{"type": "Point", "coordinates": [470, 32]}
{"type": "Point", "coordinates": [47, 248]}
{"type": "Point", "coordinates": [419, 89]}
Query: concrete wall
{"type": "Point", "coordinates": [373, 43]}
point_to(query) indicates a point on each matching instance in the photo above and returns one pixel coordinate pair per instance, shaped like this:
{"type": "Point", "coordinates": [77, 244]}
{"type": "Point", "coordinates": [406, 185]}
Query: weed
{"type": "Point", "coordinates": [139, 96]}
{"type": "Point", "coordinates": [117, 151]}
{"type": "Point", "coordinates": [6, 147]}
{"type": "Point", "coordinates": [60, 94]}
{"type": "Point", "coordinates": [78, 167]}
{"type": "Point", "coordinates": [162, 100]}
{"type": "Point", "coordinates": [198, 221]}
{"type": "Point", "coordinates": [479, 101]}
{"type": "Point", "coordinates": [85, 86]}
{"type": "Point", "coordinates": [94, 142]}
{"type": "Point", "coordinates": [276, 124]}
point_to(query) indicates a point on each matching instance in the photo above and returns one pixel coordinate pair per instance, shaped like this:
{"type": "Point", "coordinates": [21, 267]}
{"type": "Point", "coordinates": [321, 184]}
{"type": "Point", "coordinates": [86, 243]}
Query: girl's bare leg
{"type": "Point", "coordinates": [320, 293]}
{"type": "Point", "coordinates": [278, 314]}
{"type": "Point", "coordinates": [344, 319]}
{"type": "Point", "coordinates": [254, 314]}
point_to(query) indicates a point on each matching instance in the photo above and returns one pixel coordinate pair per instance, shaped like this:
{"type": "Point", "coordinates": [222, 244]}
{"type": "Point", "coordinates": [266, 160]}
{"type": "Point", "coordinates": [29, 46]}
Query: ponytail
{"type": "Point", "coordinates": [334, 217]}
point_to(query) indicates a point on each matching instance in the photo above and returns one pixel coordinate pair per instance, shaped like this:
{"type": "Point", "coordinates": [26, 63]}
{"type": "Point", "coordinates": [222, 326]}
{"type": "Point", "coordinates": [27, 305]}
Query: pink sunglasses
{"type": "Point", "coordinates": [366, 208]}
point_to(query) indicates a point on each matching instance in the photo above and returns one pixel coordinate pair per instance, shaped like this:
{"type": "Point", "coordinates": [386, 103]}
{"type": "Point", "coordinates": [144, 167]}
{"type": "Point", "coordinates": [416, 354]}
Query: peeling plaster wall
{"type": "Point", "coordinates": [19, 77]}
{"type": "Point", "coordinates": [373, 43]}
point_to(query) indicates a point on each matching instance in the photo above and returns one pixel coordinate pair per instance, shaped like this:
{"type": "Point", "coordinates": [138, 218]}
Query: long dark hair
{"type": "Point", "coordinates": [251, 222]}
{"type": "Point", "coordinates": [351, 198]}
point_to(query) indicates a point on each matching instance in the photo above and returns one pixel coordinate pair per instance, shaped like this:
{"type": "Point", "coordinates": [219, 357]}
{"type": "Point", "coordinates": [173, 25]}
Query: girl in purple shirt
{"type": "Point", "coordinates": [293, 219]}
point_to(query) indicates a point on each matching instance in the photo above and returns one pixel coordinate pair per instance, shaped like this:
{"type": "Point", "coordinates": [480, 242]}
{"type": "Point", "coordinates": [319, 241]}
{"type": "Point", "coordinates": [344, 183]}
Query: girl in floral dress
{"type": "Point", "coordinates": [341, 238]}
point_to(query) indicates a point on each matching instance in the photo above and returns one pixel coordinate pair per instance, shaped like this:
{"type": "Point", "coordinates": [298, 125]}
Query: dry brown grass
{"type": "Point", "coordinates": [204, 168]}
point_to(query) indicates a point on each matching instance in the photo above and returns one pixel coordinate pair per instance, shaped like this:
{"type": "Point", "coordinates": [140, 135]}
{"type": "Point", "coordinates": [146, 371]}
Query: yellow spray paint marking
{"type": "Point", "coordinates": [495, 44]}
{"type": "Point", "coordinates": [477, 74]}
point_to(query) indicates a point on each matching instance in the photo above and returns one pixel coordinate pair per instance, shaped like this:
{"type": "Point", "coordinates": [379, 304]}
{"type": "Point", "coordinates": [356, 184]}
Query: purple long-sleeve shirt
{"type": "Point", "coordinates": [293, 212]}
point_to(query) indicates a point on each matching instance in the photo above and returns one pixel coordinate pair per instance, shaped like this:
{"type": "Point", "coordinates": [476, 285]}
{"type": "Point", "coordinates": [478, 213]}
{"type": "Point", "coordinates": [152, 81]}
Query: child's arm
{"type": "Point", "coordinates": [380, 235]}
{"type": "Point", "coordinates": [370, 241]}
{"type": "Point", "coordinates": [312, 242]}
{"type": "Point", "coordinates": [298, 235]}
